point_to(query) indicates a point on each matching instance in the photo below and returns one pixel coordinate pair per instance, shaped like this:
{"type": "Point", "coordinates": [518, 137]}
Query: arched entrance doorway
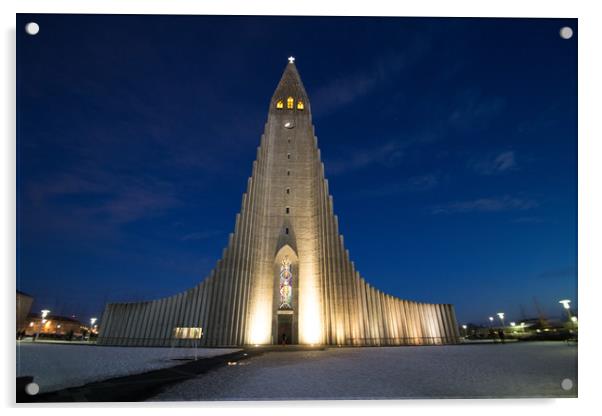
{"type": "Point", "coordinates": [286, 296]}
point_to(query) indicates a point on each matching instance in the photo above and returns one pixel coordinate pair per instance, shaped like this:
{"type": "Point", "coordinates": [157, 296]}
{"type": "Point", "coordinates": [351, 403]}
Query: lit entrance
{"type": "Point", "coordinates": [285, 327]}
{"type": "Point", "coordinates": [286, 296]}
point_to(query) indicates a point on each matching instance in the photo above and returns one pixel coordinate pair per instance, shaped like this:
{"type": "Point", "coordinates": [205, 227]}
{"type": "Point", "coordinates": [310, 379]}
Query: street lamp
{"type": "Point", "coordinates": [501, 316]}
{"type": "Point", "coordinates": [566, 303]}
{"type": "Point", "coordinates": [44, 313]}
{"type": "Point", "coordinates": [465, 327]}
{"type": "Point", "coordinates": [92, 322]}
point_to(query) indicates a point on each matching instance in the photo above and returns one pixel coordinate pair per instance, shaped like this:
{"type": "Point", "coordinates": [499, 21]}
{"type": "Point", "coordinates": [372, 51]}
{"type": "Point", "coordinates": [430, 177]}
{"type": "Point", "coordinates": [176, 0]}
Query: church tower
{"type": "Point", "coordinates": [285, 275]}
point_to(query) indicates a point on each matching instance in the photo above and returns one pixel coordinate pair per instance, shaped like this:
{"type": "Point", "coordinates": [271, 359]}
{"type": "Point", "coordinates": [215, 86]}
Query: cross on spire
{"type": "Point", "coordinates": [291, 59]}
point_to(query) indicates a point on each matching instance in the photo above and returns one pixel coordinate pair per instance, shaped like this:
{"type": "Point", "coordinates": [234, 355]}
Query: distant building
{"type": "Point", "coordinates": [285, 275]}
{"type": "Point", "coordinates": [24, 302]}
{"type": "Point", "coordinates": [55, 325]}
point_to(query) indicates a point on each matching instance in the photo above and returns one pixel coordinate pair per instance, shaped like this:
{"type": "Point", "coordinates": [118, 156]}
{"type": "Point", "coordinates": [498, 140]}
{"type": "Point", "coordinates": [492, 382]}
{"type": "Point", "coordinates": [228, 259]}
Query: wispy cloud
{"type": "Point", "coordinates": [496, 164]}
{"type": "Point", "coordinates": [493, 204]}
{"type": "Point", "coordinates": [473, 109]}
{"type": "Point", "coordinates": [388, 154]}
{"type": "Point", "coordinates": [420, 183]}
{"type": "Point", "coordinates": [347, 88]}
{"type": "Point", "coordinates": [103, 196]}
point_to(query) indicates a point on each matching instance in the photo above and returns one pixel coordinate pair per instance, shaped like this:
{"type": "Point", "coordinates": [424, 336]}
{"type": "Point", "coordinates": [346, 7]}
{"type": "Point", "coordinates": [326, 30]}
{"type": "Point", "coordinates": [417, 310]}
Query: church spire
{"type": "Point", "coordinates": [290, 93]}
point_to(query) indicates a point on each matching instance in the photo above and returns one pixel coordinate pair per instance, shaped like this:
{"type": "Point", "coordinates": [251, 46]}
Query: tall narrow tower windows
{"type": "Point", "coordinates": [300, 105]}
{"type": "Point", "coordinates": [280, 104]}
{"type": "Point", "coordinates": [288, 210]}
{"type": "Point", "coordinates": [288, 155]}
{"type": "Point", "coordinates": [288, 190]}
{"type": "Point", "coordinates": [286, 230]}
{"type": "Point", "coordinates": [290, 103]}
{"type": "Point", "coordinates": [288, 173]}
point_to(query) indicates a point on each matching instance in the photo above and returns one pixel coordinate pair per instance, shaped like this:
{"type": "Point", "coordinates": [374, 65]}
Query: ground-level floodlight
{"type": "Point", "coordinates": [464, 326]}
{"type": "Point", "coordinates": [574, 319]}
{"type": "Point", "coordinates": [491, 319]}
{"type": "Point", "coordinates": [512, 323]}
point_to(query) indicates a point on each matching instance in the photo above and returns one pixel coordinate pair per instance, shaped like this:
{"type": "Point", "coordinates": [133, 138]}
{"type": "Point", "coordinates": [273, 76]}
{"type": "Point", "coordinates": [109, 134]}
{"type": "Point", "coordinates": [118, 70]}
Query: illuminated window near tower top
{"type": "Point", "coordinates": [280, 104]}
{"type": "Point", "coordinates": [300, 105]}
{"type": "Point", "coordinates": [290, 102]}
{"type": "Point", "coordinates": [286, 284]}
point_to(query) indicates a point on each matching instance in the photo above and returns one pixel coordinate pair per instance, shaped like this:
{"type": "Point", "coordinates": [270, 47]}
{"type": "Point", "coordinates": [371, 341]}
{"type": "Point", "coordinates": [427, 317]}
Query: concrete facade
{"type": "Point", "coordinates": [287, 216]}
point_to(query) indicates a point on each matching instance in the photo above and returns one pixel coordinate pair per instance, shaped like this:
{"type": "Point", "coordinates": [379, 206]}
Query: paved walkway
{"type": "Point", "coordinates": [525, 369]}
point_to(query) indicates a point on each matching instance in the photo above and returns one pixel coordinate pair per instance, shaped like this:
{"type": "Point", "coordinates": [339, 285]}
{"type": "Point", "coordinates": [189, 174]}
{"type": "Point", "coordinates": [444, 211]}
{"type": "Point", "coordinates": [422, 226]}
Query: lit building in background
{"type": "Point", "coordinates": [285, 275]}
{"type": "Point", "coordinates": [24, 302]}
{"type": "Point", "coordinates": [55, 325]}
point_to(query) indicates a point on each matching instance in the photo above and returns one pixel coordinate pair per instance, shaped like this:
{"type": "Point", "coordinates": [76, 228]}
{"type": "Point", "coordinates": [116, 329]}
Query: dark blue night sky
{"type": "Point", "coordinates": [450, 146]}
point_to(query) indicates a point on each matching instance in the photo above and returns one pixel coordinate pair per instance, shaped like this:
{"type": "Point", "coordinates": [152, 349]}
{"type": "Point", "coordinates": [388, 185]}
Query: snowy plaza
{"type": "Point", "coordinates": [524, 369]}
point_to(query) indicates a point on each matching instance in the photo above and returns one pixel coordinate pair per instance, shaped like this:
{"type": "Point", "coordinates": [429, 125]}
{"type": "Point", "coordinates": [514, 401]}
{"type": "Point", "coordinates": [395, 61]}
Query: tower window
{"type": "Point", "coordinates": [288, 210]}
{"type": "Point", "coordinates": [288, 156]}
{"type": "Point", "coordinates": [300, 105]}
{"type": "Point", "coordinates": [286, 230]}
{"type": "Point", "coordinates": [288, 190]}
{"type": "Point", "coordinates": [280, 104]}
{"type": "Point", "coordinates": [288, 173]}
{"type": "Point", "coordinates": [290, 102]}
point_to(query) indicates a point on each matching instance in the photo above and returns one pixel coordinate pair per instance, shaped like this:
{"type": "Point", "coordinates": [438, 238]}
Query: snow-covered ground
{"type": "Point", "coordinates": [511, 370]}
{"type": "Point", "coordinates": [58, 366]}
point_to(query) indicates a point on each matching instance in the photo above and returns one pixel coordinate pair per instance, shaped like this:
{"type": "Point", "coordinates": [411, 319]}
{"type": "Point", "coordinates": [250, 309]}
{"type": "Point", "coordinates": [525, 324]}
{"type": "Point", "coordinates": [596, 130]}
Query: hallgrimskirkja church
{"type": "Point", "coordinates": [285, 275]}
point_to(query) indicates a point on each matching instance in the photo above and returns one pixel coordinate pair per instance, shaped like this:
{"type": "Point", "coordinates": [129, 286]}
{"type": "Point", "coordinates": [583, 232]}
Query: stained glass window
{"type": "Point", "coordinates": [289, 102]}
{"type": "Point", "coordinates": [286, 284]}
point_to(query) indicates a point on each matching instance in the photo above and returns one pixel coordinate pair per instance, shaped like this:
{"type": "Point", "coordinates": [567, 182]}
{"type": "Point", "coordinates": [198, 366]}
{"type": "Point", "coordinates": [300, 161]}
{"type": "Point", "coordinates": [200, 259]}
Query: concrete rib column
{"type": "Point", "coordinates": [118, 322]}
{"type": "Point", "coordinates": [360, 309]}
{"type": "Point", "coordinates": [222, 280]}
{"type": "Point", "coordinates": [152, 323]}
{"type": "Point", "coordinates": [441, 323]}
{"type": "Point", "coordinates": [142, 324]}
{"type": "Point", "coordinates": [240, 233]}
{"type": "Point", "coordinates": [105, 326]}
{"type": "Point", "coordinates": [413, 319]}
{"type": "Point", "coordinates": [196, 320]}
{"type": "Point", "coordinates": [222, 314]}
{"type": "Point", "coordinates": [429, 328]}
{"type": "Point", "coordinates": [405, 318]}
{"type": "Point", "coordinates": [329, 310]}
{"type": "Point", "coordinates": [374, 316]}
{"type": "Point", "coordinates": [137, 312]}
{"type": "Point", "coordinates": [344, 287]}
{"type": "Point", "coordinates": [247, 226]}
{"type": "Point", "coordinates": [214, 305]}
{"type": "Point", "coordinates": [334, 315]}
{"type": "Point", "coordinates": [367, 329]}
{"type": "Point", "coordinates": [170, 306]}
{"type": "Point", "coordinates": [127, 311]}
{"type": "Point", "coordinates": [448, 324]}
{"type": "Point", "coordinates": [236, 273]}
{"type": "Point", "coordinates": [205, 301]}
{"type": "Point", "coordinates": [394, 319]}
{"type": "Point", "coordinates": [125, 326]}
